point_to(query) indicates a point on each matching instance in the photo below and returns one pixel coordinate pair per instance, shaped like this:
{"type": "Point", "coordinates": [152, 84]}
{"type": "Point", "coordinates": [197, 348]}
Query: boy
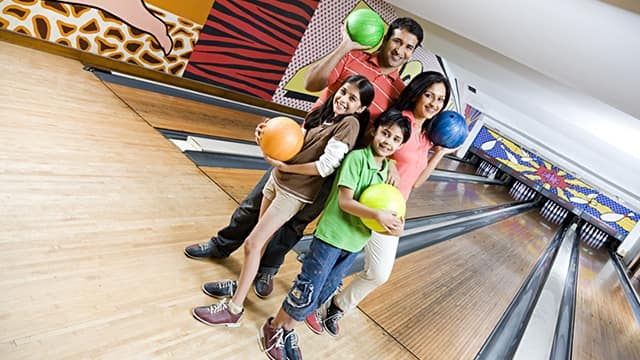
{"type": "Point", "coordinates": [339, 236]}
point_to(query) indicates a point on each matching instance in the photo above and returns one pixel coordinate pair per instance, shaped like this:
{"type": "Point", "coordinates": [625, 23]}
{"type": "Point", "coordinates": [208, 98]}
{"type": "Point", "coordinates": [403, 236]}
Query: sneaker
{"type": "Point", "coordinates": [291, 348]}
{"type": "Point", "coordinates": [263, 285]}
{"type": "Point", "coordinates": [314, 322]}
{"type": "Point", "coordinates": [220, 289]}
{"type": "Point", "coordinates": [272, 341]}
{"type": "Point", "coordinates": [202, 251]}
{"type": "Point", "coordinates": [330, 323]}
{"type": "Point", "coordinates": [217, 315]}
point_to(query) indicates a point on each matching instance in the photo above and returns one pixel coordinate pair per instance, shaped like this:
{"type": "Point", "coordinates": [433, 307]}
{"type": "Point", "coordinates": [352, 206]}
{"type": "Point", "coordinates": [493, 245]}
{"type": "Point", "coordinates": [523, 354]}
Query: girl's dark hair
{"type": "Point", "coordinates": [405, 23]}
{"type": "Point", "coordinates": [325, 111]}
{"type": "Point", "coordinates": [394, 117]}
{"type": "Point", "coordinates": [414, 90]}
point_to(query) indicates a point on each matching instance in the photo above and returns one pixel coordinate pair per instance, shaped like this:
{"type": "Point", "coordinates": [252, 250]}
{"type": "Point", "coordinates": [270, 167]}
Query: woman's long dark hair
{"type": "Point", "coordinates": [325, 111]}
{"type": "Point", "coordinates": [420, 83]}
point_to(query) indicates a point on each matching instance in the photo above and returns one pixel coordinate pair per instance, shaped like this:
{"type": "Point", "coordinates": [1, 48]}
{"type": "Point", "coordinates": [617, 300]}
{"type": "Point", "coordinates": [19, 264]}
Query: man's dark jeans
{"type": "Point", "coordinates": [245, 217]}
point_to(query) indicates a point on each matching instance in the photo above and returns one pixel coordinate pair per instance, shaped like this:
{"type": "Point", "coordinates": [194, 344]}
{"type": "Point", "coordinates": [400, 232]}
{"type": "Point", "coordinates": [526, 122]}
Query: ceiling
{"type": "Point", "coordinates": [563, 72]}
{"type": "Point", "coordinates": [589, 45]}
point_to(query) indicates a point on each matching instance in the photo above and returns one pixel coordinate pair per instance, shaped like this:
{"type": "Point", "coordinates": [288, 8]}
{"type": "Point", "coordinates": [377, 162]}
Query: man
{"type": "Point", "coordinates": [382, 69]}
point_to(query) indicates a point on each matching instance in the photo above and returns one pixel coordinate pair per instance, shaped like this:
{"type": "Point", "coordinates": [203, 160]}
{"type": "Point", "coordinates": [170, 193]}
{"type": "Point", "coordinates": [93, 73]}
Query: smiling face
{"type": "Point", "coordinates": [398, 50]}
{"type": "Point", "coordinates": [386, 140]}
{"type": "Point", "coordinates": [347, 100]}
{"type": "Point", "coordinates": [430, 102]}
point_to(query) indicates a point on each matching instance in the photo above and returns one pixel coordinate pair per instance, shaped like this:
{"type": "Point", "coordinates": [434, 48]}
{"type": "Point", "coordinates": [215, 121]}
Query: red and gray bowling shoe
{"type": "Point", "coordinates": [217, 315]}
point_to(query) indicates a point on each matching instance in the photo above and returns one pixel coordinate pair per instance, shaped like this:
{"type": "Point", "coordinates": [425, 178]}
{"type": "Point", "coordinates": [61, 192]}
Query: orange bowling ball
{"type": "Point", "coordinates": [281, 138]}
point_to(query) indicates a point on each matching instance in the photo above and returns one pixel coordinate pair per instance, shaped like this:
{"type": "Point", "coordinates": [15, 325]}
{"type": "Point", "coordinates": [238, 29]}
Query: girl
{"type": "Point", "coordinates": [331, 131]}
{"type": "Point", "coordinates": [423, 99]}
{"type": "Point", "coordinates": [339, 235]}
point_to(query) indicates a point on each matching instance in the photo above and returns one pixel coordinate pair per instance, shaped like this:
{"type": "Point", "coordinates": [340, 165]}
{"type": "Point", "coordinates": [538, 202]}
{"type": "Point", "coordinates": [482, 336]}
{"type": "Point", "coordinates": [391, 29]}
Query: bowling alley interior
{"type": "Point", "coordinates": [130, 131]}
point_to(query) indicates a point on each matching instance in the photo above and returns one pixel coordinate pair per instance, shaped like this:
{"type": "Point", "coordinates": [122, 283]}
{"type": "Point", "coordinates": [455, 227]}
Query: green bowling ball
{"type": "Point", "coordinates": [365, 27]}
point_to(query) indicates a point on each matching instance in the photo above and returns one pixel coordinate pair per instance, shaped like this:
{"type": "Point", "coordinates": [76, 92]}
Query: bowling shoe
{"type": "Point", "coordinates": [330, 323]}
{"type": "Point", "coordinates": [217, 315]}
{"type": "Point", "coordinates": [263, 285]}
{"type": "Point", "coordinates": [314, 322]}
{"type": "Point", "coordinates": [202, 251]}
{"type": "Point", "coordinates": [220, 289]}
{"type": "Point", "coordinates": [272, 341]}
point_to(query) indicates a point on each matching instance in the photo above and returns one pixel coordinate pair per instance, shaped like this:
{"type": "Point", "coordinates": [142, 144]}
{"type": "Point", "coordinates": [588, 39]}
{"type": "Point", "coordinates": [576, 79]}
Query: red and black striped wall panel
{"type": "Point", "coordinates": [246, 46]}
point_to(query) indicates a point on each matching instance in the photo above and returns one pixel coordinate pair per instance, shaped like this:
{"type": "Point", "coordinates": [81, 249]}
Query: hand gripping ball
{"type": "Point", "coordinates": [448, 129]}
{"type": "Point", "coordinates": [382, 196]}
{"type": "Point", "coordinates": [365, 27]}
{"type": "Point", "coordinates": [281, 138]}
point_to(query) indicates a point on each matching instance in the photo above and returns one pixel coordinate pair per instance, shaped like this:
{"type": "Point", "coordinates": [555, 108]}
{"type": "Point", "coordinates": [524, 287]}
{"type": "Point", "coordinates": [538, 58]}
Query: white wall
{"type": "Point", "coordinates": [590, 45]}
{"type": "Point", "coordinates": [595, 141]}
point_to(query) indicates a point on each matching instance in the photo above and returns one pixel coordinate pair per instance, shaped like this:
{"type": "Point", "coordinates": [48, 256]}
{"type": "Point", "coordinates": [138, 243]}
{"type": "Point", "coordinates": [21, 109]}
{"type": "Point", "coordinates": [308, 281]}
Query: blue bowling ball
{"type": "Point", "coordinates": [448, 129]}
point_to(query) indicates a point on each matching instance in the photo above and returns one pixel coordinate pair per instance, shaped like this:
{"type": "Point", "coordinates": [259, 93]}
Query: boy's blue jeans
{"type": "Point", "coordinates": [322, 271]}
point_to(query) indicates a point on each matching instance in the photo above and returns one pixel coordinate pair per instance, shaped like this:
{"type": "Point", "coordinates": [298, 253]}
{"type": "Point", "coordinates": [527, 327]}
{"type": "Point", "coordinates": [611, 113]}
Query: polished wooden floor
{"type": "Point", "coordinates": [168, 112]}
{"type": "Point", "coordinates": [605, 327]}
{"type": "Point", "coordinates": [453, 293]}
{"type": "Point", "coordinates": [97, 207]}
{"type": "Point", "coordinates": [436, 197]}
{"type": "Point", "coordinates": [457, 166]}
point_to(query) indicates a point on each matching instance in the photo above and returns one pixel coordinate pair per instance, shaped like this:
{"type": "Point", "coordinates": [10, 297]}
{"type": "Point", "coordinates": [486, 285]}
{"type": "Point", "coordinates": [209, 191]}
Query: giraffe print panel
{"type": "Point", "coordinates": [158, 40]}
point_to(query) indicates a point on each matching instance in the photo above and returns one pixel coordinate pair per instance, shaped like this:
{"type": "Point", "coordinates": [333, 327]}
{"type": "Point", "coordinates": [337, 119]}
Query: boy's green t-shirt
{"type": "Point", "coordinates": [357, 172]}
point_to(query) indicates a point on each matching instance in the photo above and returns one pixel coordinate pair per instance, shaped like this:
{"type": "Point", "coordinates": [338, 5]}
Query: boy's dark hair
{"type": "Point", "coordinates": [407, 24]}
{"type": "Point", "coordinates": [325, 111]}
{"type": "Point", "coordinates": [394, 117]}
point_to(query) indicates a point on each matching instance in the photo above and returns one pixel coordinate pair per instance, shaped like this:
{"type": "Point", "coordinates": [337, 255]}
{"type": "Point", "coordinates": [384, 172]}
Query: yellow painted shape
{"type": "Point", "coordinates": [296, 83]}
{"type": "Point", "coordinates": [411, 69]}
{"type": "Point", "coordinates": [194, 10]}
{"type": "Point", "coordinates": [626, 223]}
{"type": "Point", "coordinates": [518, 167]}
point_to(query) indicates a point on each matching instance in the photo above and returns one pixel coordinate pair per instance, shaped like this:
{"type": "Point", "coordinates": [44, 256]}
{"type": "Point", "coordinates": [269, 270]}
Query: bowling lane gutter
{"type": "Point", "coordinates": [215, 151]}
{"type": "Point", "coordinates": [538, 323]}
{"type": "Point", "coordinates": [448, 175]}
{"type": "Point", "coordinates": [430, 230]}
{"type": "Point", "coordinates": [466, 161]}
{"type": "Point", "coordinates": [629, 291]}
{"type": "Point", "coordinates": [171, 90]}
{"type": "Point", "coordinates": [563, 336]}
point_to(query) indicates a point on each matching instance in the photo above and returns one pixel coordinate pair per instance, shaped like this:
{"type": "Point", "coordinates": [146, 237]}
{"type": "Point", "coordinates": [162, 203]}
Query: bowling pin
{"type": "Point", "coordinates": [587, 234]}
{"type": "Point", "coordinates": [520, 191]}
{"type": "Point", "coordinates": [590, 235]}
{"type": "Point", "coordinates": [597, 238]}
{"type": "Point", "coordinates": [584, 233]}
{"type": "Point", "coordinates": [556, 209]}
{"type": "Point", "coordinates": [547, 210]}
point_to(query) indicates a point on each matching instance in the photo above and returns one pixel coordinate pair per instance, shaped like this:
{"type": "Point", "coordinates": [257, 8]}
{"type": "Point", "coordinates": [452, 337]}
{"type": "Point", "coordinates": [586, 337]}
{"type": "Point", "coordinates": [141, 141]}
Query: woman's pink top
{"type": "Point", "coordinates": [412, 157]}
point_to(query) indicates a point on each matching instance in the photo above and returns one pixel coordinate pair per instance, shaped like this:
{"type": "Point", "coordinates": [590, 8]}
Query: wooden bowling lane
{"type": "Point", "coordinates": [96, 209]}
{"type": "Point", "coordinates": [238, 183]}
{"type": "Point", "coordinates": [442, 302]}
{"type": "Point", "coordinates": [174, 113]}
{"type": "Point", "coordinates": [430, 199]}
{"type": "Point", "coordinates": [458, 166]}
{"type": "Point", "coordinates": [436, 197]}
{"type": "Point", "coordinates": [605, 327]}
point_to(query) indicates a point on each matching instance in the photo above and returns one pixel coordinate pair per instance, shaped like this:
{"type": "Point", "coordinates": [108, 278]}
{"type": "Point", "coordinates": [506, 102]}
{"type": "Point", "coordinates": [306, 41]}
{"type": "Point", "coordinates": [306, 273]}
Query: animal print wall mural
{"type": "Point", "coordinates": [259, 48]}
{"type": "Point", "coordinates": [129, 31]}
